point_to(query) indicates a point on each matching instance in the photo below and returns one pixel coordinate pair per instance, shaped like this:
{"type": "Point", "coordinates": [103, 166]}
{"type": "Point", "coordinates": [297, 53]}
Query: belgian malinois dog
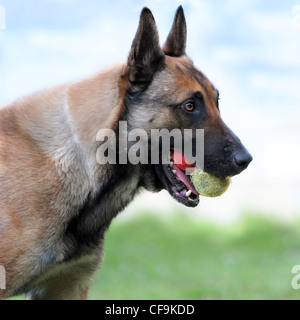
{"type": "Point", "coordinates": [57, 201]}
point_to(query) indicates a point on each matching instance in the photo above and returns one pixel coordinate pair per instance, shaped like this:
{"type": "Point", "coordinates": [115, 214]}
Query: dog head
{"type": "Point", "coordinates": [166, 90]}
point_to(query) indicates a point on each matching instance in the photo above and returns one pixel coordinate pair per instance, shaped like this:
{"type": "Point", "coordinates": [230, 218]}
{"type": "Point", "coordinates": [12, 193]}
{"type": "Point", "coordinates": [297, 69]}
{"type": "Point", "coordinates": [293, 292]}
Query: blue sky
{"type": "Point", "coordinates": [249, 49]}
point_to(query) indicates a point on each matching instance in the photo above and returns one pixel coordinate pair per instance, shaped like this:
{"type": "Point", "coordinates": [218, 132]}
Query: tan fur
{"type": "Point", "coordinates": [101, 96]}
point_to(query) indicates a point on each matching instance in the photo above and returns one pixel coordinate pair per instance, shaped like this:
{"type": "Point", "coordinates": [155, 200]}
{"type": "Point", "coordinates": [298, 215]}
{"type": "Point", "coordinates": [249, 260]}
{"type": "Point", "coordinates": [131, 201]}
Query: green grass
{"type": "Point", "coordinates": [180, 258]}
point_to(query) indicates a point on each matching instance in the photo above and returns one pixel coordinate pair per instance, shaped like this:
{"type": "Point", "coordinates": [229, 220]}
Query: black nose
{"type": "Point", "coordinates": [242, 158]}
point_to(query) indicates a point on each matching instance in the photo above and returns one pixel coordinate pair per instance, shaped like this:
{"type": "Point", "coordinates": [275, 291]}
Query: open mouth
{"type": "Point", "coordinates": [178, 183]}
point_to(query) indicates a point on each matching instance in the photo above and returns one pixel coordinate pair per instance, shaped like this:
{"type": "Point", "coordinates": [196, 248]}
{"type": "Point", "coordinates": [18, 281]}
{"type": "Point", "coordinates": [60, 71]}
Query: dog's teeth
{"type": "Point", "coordinates": [174, 171]}
{"type": "Point", "coordinates": [188, 193]}
{"type": "Point", "coordinates": [171, 164]}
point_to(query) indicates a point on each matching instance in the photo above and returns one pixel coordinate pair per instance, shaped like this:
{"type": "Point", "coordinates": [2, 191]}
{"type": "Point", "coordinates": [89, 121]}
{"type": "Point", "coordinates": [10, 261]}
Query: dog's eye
{"type": "Point", "coordinates": [189, 106]}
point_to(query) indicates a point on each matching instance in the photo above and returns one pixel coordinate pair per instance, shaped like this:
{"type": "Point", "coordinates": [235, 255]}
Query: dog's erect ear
{"type": "Point", "coordinates": [146, 55]}
{"type": "Point", "coordinates": [176, 42]}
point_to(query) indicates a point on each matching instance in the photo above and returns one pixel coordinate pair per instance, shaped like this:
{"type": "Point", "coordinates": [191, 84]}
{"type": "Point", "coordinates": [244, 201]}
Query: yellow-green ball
{"type": "Point", "coordinates": [208, 185]}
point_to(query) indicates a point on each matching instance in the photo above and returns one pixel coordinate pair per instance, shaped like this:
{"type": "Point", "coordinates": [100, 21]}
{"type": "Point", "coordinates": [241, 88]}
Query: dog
{"type": "Point", "coordinates": [57, 201]}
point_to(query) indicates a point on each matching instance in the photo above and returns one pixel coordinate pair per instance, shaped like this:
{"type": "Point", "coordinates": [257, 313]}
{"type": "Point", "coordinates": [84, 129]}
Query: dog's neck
{"type": "Point", "coordinates": [95, 104]}
{"type": "Point", "coordinates": [71, 116]}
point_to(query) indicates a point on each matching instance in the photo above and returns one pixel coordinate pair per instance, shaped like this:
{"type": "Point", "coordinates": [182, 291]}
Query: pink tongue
{"type": "Point", "coordinates": [185, 179]}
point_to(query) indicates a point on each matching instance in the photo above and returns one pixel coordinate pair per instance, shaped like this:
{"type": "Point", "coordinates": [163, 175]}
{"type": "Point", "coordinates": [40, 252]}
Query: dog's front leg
{"type": "Point", "coordinates": [69, 281]}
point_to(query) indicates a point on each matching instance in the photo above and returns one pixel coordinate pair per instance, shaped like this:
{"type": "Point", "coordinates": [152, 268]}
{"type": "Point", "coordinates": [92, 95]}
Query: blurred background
{"type": "Point", "coordinates": [241, 245]}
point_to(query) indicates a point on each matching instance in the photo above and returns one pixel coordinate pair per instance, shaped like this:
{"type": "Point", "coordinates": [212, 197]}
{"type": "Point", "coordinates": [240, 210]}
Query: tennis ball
{"type": "Point", "coordinates": [208, 185]}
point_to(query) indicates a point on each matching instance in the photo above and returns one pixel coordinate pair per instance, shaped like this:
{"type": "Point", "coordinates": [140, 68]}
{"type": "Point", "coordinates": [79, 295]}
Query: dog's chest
{"type": "Point", "coordinates": [83, 238]}
{"type": "Point", "coordinates": [86, 231]}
